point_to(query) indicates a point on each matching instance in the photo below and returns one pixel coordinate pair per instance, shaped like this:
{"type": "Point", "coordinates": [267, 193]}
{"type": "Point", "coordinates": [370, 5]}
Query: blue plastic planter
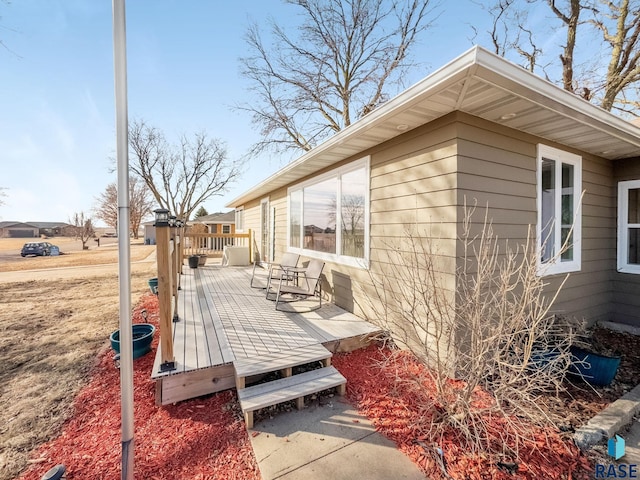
{"type": "Point", "coordinates": [153, 285]}
{"type": "Point", "coordinates": [142, 338]}
{"type": "Point", "coordinates": [594, 368]}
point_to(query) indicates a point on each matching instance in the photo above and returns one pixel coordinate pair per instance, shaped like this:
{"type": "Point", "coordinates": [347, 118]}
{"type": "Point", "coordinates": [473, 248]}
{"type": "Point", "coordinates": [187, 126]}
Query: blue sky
{"type": "Point", "coordinates": [57, 127]}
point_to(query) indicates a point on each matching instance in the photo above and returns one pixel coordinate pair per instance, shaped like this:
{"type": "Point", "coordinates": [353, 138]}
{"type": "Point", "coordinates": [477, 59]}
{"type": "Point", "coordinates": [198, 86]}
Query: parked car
{"type": "Point", "coordinates": [37, 249]}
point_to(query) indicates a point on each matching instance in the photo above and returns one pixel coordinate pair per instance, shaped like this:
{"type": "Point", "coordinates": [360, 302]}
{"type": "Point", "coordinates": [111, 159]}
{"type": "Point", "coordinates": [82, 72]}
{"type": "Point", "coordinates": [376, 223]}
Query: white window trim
{"type": "Point", "coordinates": [226, 225]}
{"type": "Point", "coordinates": [362, 263]}
{"type": "Point", "coordinates": [239, 214]}
{"type": "Point", "coordinates": [270, 239]}
{"type": "Point", "coordinates": [556, 266]}
{"type": "Point", "coordinates": [623, 225]}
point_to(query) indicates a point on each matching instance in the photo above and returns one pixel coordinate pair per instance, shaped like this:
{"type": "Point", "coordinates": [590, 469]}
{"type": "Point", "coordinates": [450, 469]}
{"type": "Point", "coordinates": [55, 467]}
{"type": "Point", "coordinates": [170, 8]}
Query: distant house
{"type": "Point", "coordinates": [18, 230]}
{"type": "Point", "coordinates": [221, 223]}
{"type": "Point", "coordinates": [33, 229]}
{"type": "Point", "coordinates": [480, 129]}
{"type": "Point", "coordinates": [216, 223]}
{"type": "Point", "coordinates": [51, 229]}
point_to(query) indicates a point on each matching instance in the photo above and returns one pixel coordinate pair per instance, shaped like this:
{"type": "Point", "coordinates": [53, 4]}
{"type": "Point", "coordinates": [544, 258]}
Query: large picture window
{"type": "Point", "coordinates": [328, 216]}
{"type": "Point", "coordinates": [559, 225]}
{"type": "Point", "coordinates": [629, 226]}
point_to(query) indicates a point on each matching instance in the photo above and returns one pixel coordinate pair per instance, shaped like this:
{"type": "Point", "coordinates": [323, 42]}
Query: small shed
{"type": "Point", "coordinates": [149, 233]}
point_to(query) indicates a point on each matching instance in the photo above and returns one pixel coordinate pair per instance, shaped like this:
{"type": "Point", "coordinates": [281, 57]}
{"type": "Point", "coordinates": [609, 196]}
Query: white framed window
{"type": "Point", "coordinates": [559, 227]}
{"type": "Point", "coordinates": [629, 226]}
{"type": "Point", "coordinates": [328, 216]}
{"type": "Point", "coordinates": [239, 219]}
{"type": "Point", "coordinates": [226, 229]}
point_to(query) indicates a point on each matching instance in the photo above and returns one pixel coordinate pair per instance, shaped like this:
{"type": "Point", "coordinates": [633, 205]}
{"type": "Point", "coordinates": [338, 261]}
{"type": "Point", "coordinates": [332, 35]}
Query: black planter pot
{"type": "Point", "coordinates": [193, 261]}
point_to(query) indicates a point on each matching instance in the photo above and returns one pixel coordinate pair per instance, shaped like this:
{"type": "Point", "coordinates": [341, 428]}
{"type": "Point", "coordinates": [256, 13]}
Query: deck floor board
{"type": "Point", "coordinates": [221, 319]}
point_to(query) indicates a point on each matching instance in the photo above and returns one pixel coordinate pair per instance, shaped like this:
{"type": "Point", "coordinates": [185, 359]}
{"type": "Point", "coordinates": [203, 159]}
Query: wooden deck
{"type": "Point", "coordinates": [222, 319]}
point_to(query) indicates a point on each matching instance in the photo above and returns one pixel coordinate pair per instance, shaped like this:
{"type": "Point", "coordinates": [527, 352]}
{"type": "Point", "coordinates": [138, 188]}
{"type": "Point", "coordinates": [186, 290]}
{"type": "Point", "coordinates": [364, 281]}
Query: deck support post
{"type": "Point", "coordinates": [248, 419]}
{"type": "Point", "coordinates": [175, 276]}
{"type": "Point", "coordinates": [165, 294]}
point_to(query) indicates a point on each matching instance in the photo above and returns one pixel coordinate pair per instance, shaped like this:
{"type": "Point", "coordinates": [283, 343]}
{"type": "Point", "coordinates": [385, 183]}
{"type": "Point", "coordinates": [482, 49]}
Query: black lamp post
{"type": "Point", "coordinates": [162, 217]}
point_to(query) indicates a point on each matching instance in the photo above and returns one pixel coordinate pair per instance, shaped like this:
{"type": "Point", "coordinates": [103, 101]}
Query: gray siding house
{"type": "Point", "coordinates": [480, 129]}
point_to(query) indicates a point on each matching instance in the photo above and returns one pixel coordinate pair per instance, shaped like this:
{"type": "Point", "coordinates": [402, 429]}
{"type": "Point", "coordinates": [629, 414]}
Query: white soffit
{"type": "Point", "coordinates": [482, 84]}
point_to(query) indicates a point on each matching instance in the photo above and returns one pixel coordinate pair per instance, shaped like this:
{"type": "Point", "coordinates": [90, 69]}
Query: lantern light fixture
{"type": "Point", "coordinates": [162, 217]}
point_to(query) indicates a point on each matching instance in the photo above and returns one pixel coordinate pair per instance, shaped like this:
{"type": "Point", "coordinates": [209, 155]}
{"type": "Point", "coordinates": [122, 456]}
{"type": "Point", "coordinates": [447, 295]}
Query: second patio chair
{"type": "Point", "coordinates": [308, 285]}
{"type": "Point", "coordinates": [264, 272]}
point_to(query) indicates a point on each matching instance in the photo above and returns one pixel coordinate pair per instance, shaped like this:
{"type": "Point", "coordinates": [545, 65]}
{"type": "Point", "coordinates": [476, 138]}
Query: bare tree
{"type": "Point", "coordinates": [180, 177]}
{"type": "Point", "coordinates": [610, 79]}
{"type": "Point", "coordinates": [489, 326]}
{"type": "Point", "coordinates": [570, 18]}
{"type": "Point", "coordinates": [2, 195]}
{"type": "Point", "coordinates": [82, 227]}
{"type": "Point", "coordinates": [509, 32]}
{"type": "Point", "coordinates": [107, 206]}
{"type": "Point", "coordinates": [338, 68]}
{"type": "Point", "coordinates": [140, 205]}
{"type": "Point", "coordinates": [623, 37]}
{"type": "Point", "coordinates": [5, 28]}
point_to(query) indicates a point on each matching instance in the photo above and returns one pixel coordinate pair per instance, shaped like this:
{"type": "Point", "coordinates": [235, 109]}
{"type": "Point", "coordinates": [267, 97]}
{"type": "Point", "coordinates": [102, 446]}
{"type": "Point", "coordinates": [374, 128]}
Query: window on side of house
{"type": "Point", "coordinates": [559, 229]}
{"type": "Point", "coordinates": [629, 226]}
{"type": "Point", "coordinates": [226, 229]}
{"type": "Point", "coordinates": [328, 215]}
{"type": "Point", "coordinates": [239, 219]}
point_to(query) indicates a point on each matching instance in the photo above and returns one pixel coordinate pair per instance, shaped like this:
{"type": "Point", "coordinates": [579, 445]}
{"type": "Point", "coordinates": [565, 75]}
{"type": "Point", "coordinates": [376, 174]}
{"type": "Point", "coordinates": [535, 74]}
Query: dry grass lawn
{"type": "Point", "coordinates": [95, 256]}
{"type": "Point", "coordinates": [50, 333]}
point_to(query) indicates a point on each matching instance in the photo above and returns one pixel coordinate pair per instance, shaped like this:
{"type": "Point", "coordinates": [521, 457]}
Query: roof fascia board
{"type": "Point", "coordinates": [447, 74]}
{"type": "Point", "coordinates": [553, 96]}
{"type": "Point", "coordinates": [476, 62]}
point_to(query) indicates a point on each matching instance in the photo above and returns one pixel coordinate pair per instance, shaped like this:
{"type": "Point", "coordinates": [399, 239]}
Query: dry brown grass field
{"type": "Point", "coordinates": [73, 255]}
{"type": "Point", "coordinates": [50, 334]}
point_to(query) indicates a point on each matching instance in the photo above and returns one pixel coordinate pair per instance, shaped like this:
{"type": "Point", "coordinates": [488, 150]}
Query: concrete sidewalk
{"type": "Point", "coordinates": [327, 442]}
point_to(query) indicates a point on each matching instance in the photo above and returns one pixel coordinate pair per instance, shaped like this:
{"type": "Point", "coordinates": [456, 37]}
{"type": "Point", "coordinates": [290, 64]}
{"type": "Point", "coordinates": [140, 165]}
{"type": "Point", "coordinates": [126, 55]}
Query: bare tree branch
{"type": "Point", "coordinates": [82, 227]}
{"type": "Point", "coordinates": [180, 177]}
{"type": "Point", "coordinates": [140, 205]}
{"type": "Point", "coordinates": [609, 79]}
{"type": "Point", "coordinates": [336, 69]}
{"type": "Point", "coordinates": [624, 62]}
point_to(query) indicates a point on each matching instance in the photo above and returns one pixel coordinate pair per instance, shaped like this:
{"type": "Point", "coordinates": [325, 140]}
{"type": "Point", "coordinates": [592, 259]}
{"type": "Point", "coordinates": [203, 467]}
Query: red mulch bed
{"type": "Point", "coordinates": [206, 438]}
{"type": "Point", "coordinates": [201, 439]}
{"type": "Point", "coordinates": [394, 410]}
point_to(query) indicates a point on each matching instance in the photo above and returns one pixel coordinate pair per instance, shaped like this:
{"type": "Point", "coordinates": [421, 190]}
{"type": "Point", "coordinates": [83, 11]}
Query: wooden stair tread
{"type": "Point", "coordinates": [280, 360]}
{"type": "Point", "coordinates": [289, 388]}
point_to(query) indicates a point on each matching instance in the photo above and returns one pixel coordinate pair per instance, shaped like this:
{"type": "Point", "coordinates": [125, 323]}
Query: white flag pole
{"type": "Point", "coordinates": [124, 257]}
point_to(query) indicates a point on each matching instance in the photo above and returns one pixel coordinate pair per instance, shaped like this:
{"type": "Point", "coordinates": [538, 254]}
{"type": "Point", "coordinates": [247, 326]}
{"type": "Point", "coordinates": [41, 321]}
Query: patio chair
{"type": "Point", "coordinates": [308, 285]}
{"type": "Point", "coordinates": [273, 270]}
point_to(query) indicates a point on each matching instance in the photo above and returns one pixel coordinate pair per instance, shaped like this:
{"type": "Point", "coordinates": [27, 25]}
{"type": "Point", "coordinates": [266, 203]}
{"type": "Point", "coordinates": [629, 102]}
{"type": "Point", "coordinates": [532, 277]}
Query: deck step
{"type": "Point", "coordinates": [288, 388]}
{"type": "Point", "coordinates": [283, 360]}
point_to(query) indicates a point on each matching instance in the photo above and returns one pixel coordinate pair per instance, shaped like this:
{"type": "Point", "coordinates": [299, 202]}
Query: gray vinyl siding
{"type": "Point", "coordinates": [419, 183]}
{"type": "Point", "coordinates": [497, 167]}
{"type": "Point", "coordinates": [626, 286]}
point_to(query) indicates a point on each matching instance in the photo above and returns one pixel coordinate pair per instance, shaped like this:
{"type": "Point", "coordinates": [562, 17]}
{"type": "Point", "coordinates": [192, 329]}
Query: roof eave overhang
{"type": "Point", "coordinates": [477, 64]}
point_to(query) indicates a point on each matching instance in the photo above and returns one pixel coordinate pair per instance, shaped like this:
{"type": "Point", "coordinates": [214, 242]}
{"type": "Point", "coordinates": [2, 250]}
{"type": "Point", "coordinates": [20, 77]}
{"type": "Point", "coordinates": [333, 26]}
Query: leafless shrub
{"type": "Point", "coordinates": [483, 329]}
